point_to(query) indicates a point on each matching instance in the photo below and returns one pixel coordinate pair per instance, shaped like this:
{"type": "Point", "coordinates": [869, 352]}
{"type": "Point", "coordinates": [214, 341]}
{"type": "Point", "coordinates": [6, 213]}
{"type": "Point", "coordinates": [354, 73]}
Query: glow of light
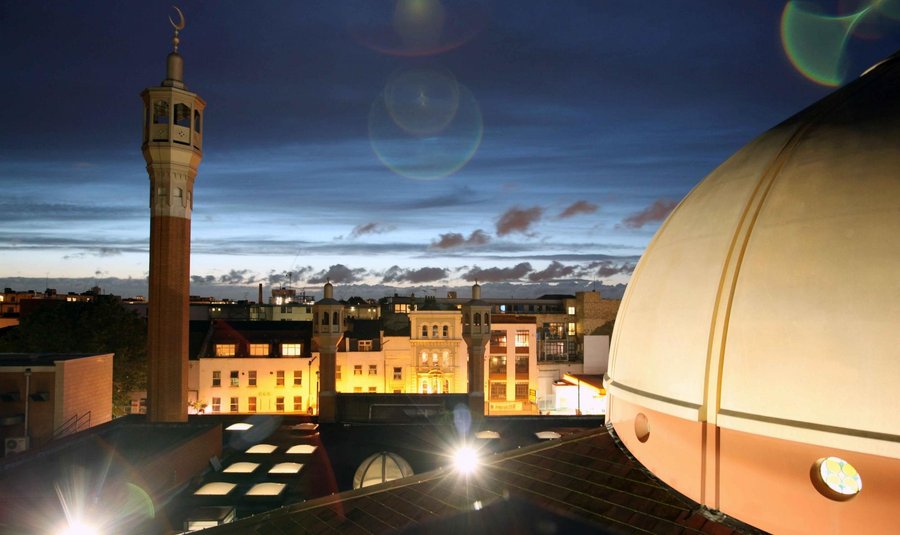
{"type": "Point", "coordinates": [286, 468]}
{"type": "Point", "coordinates": [215, 489]}
{"type": "Point", "coordinates": [262, 449]}
{"type": "Point", "coordinates": [487, 435]}
{"type": "Point", "coordinates": [266, 489]}
{"type": "Point", "coordinates": [240, 426]}
{"type": "Point", "coordinates": [242, 468]}
{"type": "Point", "coordinates": [840, 476]}
{"type": "Point", "coordinates": [79, 528]}
{"type": "Point", "coordinates": [465, 460]}
{"type": "Point", "coordinates": [301, 449]}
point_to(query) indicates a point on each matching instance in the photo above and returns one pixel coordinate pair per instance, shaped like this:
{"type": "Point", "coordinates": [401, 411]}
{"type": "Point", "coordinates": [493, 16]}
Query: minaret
{"type": "Point", "coordinates": [172, 147]}
{"type": "Point", "coordinates": [328, 330]}
{"type": "Point", "coordinates": [476, 316]}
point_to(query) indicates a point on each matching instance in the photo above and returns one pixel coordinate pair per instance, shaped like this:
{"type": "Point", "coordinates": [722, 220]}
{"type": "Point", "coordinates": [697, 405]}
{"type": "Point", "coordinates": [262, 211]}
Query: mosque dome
{"type": "Point", "coordinates": [381, 468]}
{"type": "Point", "coordinates": [759, 336]}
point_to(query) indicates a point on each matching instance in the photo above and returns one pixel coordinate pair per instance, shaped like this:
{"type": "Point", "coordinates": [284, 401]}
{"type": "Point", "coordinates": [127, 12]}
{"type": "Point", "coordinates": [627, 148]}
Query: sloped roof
{"type": "Point", "coordinates": [584, 480]}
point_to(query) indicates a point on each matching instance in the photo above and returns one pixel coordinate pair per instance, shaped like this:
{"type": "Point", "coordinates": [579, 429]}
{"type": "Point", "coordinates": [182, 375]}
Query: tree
{"type": "Point", "coordinates": [103, 325]}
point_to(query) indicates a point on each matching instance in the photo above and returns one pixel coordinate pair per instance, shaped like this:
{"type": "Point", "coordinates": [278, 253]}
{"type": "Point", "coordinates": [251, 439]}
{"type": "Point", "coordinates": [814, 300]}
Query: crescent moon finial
{"type": "Point", "coordinates": [180, 25]}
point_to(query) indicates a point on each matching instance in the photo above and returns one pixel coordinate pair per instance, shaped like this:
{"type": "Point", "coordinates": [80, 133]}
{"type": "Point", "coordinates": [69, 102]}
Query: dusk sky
{"type": "Point", "coordinates": [398, 143]}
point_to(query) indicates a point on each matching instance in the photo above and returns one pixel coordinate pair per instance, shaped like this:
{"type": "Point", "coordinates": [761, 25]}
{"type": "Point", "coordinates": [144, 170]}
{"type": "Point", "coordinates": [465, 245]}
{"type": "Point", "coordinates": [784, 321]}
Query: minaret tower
{"type": "Point", "coordinates": [328, 330]}
{"type": "Point", "coordinates": [172, 147]}
{"type": "Point", "coordinates": [476, 315]}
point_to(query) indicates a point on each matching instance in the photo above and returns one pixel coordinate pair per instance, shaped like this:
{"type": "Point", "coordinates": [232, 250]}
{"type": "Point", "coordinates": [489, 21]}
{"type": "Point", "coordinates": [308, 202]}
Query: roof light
{"type": "Point", "coordinates": [465, 460]}
{"type": "Point", "coordinates": [262, 448]}
{"type": "Point", "coordinates": [240, 426]}
{"type": "Point", "coordinates": [301, 449]}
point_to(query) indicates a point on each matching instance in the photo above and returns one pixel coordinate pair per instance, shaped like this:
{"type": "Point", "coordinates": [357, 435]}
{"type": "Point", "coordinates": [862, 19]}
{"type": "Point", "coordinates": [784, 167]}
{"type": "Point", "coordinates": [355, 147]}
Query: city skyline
{"type": "Point", "coordinates": [555, 138]}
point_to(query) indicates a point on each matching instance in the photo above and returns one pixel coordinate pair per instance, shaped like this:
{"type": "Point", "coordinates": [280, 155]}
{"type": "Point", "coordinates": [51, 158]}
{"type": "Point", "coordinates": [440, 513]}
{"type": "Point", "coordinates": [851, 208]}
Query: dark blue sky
{"type": "Point", "coordinates": [546, 139]}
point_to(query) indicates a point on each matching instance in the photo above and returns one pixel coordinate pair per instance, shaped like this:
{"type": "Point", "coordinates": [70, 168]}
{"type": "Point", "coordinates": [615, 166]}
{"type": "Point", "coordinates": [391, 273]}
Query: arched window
{"type": "Point", "coordinates": [446, 331]}
{"type": "Point", "coordinates": [196, 121]}
{"type": "Point", "coordinates": [324, 318]}
{"type": "Point", "coordinates": [160, 112]}
{"type": "Point", "coordinates": [424, 331]}
{"type": "Point", "coordinates": [434, 358]}
{"type": "Point", "coordinates": [487, 318]}
{"type": "Point", "coordinates": [478, 318]}
{"type": "Point", "coordinates": [424, 357]}
{"type": "Point", "coordinates": [182, 115]}
{"type": "Point", "coordinates": [434, 331]}
{"type": "Point", "coordinates": [335, 319]}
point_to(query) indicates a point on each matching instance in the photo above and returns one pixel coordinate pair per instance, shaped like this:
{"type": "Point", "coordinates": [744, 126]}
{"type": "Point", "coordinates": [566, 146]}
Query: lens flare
{"type": "Point", "coordinates": [414, 146]}
{"type": "Point", "coordinates": [422, 101]}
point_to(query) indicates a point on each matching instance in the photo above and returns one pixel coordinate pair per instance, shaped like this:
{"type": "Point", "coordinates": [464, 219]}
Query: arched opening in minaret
{"type": "Point", "coordinates": [477, 320]}
{"type": "Point", "coordinates": [324, 318]}
{"type": "Point", "coordinates": [196, 121]}
{"type": "Point", "coordinates": [335, 319]}
{"type": "Point", "coordinates": [160, 112]}
{"type": "Point", "coordinates": [182, 115]}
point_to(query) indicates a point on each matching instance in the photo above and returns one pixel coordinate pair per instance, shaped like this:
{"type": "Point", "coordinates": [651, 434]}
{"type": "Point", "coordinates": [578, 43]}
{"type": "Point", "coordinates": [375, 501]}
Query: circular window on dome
{"type": "Point", "coordinates": [641, 427]}
{"type": "Point", "coordinates": [836, 479]}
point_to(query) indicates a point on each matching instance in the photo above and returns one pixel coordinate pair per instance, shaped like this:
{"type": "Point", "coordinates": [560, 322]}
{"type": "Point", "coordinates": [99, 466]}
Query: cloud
{"type": "Point", "coordinates": [276, 278]}
{"type": "Point", "coordinates": [425, 274]}
{"type": "Point", "coordinates": [454, 239]}
{"type": "Point", "coordinates": [338, 273]}
{"type": "Point", "coordinates": [518, 220]}
{"type": "Point", "coordinates": [580, 207]}
{"type": "Point", "coordinates": [498, 274]}
{"type": "Point", "coordinates": [369, 228]}
{"type": "Point", "coordinates": [653, 213]}
{"type": "Point", "coordinates": [237, 276]}
{"type": "Point", "coordinates": [607, 268]}
{"type": "Point", "coordinates": [203, 279]}
{"type": "Point", "coordinates": [555, 270]}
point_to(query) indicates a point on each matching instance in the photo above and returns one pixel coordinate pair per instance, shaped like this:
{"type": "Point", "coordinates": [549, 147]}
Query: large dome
{"type": "Point", "coordinates": [760, 332]}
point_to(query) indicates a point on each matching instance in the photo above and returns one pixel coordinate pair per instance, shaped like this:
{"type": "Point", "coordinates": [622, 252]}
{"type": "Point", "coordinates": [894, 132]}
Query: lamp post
{"type": "Point", "coordinates": [309, 384]}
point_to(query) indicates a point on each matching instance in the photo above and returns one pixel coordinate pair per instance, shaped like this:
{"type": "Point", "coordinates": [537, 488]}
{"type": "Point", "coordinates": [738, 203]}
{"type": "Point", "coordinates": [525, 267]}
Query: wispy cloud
{"type": "Point", "coordinates": [580, 207]}
{"type": "Point", "coordinates": [518, 220]}
{"type": "Point", "coordinates": [370, 228]}
{"type": "Point", "coordinates": [654, 213]}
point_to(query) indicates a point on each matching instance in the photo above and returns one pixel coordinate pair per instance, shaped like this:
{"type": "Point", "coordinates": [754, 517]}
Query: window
{"type": "Point", "coordinates": [521, 338]}
{"type": "Point", "coordinates": [235, 379]}
{"type": "Point", "coordinates": [259, 350]}
{"type": "Point", "coordinates": [197, 121]}
{"type": "Point", "coordinates": [446, 331]}
{"type": "Point", "coordinates": [298, 403]}
{"type": "Point", "coordinates": [357, 390]}
{"type": "Point", "coordinates": [251, 404]}
{"type": "Point", "coordinates": [335, 319]}
{"type": "Point", "coordinates": [251, 378]}
{"type": "Point", "coordinates": [401, 308]}
{"type": "Point", "coordinates": [498, 389]}
{"type": "Point", "coordinates": [554, 331]}
{"type": "Point", "coordinates": [497, 364]}
{"type": "Point", "coordinates": [225, 350]}
{"type": "Point", "coordinates": [554, 349]}
{"type": "Point", "coordinates": [571, 311]}
{"type": "Point", "coordinates": [424, 331]}
{"type": "Point", "coordinates": [398, 391]}
{"type": "Point", "coordinates": [434, 359]}
{"type": "Point", "coordinates": [324, 318]}
{"type": "Point", "coordinates": [357, 369]}
{"type": "Point", "coordinates": [291, 350]}
{"type": "Point", "coordinates": [279, 378]}
{"type": "Point", "coordinates": [217, 404]}
{"type": "Point", "coordinates": [434, 331]}
{"type": "Point", "coordinates": [398, 373]}
{"type": "Point", "coordinates": [279, 404]}
{"type": "Point", "coordinates": [217, 378]}
{"type": "Point", "coordinates": [160, 112]}
{"type": "Point", "coordinates": [521, 390]}
{"type": "Point", "coordinates": [521, 363]}
{"type": "Point", "coordinates": [487, 318]}
{"type": "Point", "coordinates": [477, 320]}
{"type": "Point", "coordinates": [337, 372]}
{"type": "Point", "coordinates": [182, 115]}
{"type": "Point", "coordinates": [298, 377]}
{"type": "Point", "coordinates": [498, 339]}
{"type": "Point", "coordinates": [373, 390]}
{"type": "Point", "coordinates": [373, 369]}
{"type": "Point", "coordinates": [233, 406]}
{"type": "Point", "coordinates": [571, 330]}
{"type": "Point", "coordinates": [365, 345]}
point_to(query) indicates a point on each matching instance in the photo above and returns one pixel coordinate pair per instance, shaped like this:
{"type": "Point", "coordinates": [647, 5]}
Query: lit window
{"type": "Point", "coordinates": [259, 350]}
{"type": "Point", "coordinates": [521, 338]}
{"type": "Point", "coordinates": [398, 373]}
{"type": "Point", "coordinates": [497, 364]}
{"type": "Point", "coordinates": [251, 404]}
{"type": "Point", "coordinates": [279, 378]}
{"type": "Point", "coordinates": [217, 404]}
{"type": "Point", "coordinates": [373, 369]}
{"type": "Point", "coordinates": [498, 339]}
{"type": "Point", "coordinates": [434, 359]}
{"type": "Point", "coordinates": [401, 308]}
{"type": "Point", "coordinates": [292, 350]}
{"type": "Point", "coordinates": [373, 389]}
{"type": "Point", "coordinates": [424, 357]}
{"type": "Point", "coordinates": [279, 404]}
{"type": "Point", "coordinates": [365, 345]}
{"type": "Point", "coordinates": [337, 372]}
{"type": "Point", "coordinates": [225, 350]}
{"type": "Point", "coordinates": [233, 405]}
{"type": "Point", "coordinates": [235, 380]}
{"type": "Point", "coordinates": [357, 369]}
{"type": "Point", "coordinates": [298, 377]}
{"type": "Point", "coordinates": [217, 378]}
{"type": "Point", "coordinates": [521, 391]}
{"type": "Point", "coordinates": [571, 311]}
{"type": "Point", "coordinates": [357, 389]}
{"type": "Point", "coordinates": [298, 403]}
{"type": "Point", "coordinates": [498, 390]}
{"type": "Point", "coordinates": [251, 378]}
{"type": "Point", "coordinates": [571, 330]}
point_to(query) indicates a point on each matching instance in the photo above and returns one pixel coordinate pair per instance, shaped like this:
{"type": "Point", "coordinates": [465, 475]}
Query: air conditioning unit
{"type": "Point", "coordinates": [16, 445]}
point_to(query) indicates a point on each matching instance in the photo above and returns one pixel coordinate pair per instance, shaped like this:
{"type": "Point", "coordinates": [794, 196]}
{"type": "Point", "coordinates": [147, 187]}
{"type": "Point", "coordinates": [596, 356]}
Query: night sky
{"type": "Point", "coordinates": [410, 143]}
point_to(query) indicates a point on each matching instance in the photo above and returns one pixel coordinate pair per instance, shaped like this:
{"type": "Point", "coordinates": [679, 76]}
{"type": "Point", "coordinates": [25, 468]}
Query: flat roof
{"type": "Point", "coordinates": [41, 359]}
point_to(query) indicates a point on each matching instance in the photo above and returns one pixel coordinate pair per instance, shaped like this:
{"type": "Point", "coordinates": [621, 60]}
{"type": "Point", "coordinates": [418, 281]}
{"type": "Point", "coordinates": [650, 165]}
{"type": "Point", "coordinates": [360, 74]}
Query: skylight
{"type": "Point", "coordinates": [262, 448]}
{"type": "Point", "coordinates": [241, 468]}
{"type": "Point", "coordinates": [219, 488]}
{"type": "Point", "coordinates": [266, 489]}
{"type": "Point", "coordinates": [286, 468]}
{"type": "Point", "coordinates": [301, 449]}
